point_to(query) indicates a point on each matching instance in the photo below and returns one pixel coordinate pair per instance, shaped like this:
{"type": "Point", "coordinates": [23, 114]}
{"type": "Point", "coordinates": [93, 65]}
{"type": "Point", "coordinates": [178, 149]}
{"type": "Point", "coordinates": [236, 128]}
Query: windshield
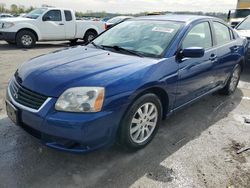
{"type": "Point", "coordinates": [245, 25]}
{"type": "Point", "coordinates": [34, 14]}
{"type": "Point", "coordinates": [147, 37]}
{"type": "Point", "coordinates": [240, 13]}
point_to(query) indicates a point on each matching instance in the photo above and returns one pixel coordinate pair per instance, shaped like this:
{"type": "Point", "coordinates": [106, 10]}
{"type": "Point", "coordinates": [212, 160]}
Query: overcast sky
{"type": "Point", "coordinates": [133, 6]}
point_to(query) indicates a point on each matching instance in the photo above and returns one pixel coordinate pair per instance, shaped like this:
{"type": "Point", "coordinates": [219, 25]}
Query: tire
{"type": "Point", "coordinates": [132, 121]}
{"type": "Point", "coordinates": [89, 36]}
{"type": "Point", "coordinates": [73, 42]}
{"type": "Point", "coordinates": [25, 39]}
{"type": "Point", "coordinates": [10, 42]}
{"type": "Point", "coordinates": [232, 82]}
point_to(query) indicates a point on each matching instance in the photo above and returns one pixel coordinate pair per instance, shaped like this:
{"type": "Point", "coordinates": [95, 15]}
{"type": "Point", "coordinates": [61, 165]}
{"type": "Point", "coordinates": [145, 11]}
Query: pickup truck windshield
{"type": "Point", "coordinates": [34, 14]}
{"type": "Point", "coordinates": [146, 37]}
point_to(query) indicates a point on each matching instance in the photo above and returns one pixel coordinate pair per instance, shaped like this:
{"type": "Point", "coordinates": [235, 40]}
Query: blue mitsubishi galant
{"type": "Point", "coordinates": [120, 86]}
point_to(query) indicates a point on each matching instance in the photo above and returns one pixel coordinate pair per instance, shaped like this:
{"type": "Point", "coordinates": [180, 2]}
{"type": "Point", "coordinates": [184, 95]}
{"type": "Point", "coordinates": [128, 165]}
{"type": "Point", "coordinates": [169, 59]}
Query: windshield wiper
{"type": "Point", "coordinates": [97, 46]}
{"type": "Point", "coordinates": [118, 48]}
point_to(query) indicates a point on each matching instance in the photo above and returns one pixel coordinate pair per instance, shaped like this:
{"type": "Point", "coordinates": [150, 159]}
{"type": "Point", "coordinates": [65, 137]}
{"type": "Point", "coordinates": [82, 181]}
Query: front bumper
{"type": "Point", "coordinates": [10, 36]}
{"type": "Point", "coordinates": [73, 132]}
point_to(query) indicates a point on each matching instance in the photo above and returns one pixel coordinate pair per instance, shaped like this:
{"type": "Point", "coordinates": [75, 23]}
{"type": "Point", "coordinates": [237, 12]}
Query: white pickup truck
{"type": "Point", "coordinates": [48, 24]}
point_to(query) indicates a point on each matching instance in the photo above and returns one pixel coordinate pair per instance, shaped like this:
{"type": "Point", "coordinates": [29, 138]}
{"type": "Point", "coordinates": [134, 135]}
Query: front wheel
{"type": "Point", "coordinates": [141, 122]}
{"type": "Point", "coordinates": [232, 82]}
{"type": "Point", "coordinates": [25, 39]}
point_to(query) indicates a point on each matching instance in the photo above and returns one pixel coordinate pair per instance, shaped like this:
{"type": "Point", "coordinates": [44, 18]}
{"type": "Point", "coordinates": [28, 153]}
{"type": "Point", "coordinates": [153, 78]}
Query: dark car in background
{"type": "Point", "coordinates": [116, 20]}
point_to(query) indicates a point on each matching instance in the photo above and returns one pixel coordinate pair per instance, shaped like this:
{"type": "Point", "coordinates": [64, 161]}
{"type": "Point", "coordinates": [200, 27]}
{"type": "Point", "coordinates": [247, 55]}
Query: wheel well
{"type": "Point", "coordinates": [161, 93]}
{"type": "Point", "coordinates": [91, 30]}
{"type": "Point", "coordinates": [27, 29]}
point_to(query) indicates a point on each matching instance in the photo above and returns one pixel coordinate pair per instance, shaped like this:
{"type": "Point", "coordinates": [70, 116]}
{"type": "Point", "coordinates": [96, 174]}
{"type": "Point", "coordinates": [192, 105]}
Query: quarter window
{"type": "Point", "coordinates": [68, 15]}
{"type": "Point", "coordinates": [54, 15]}
{"type": "Point", "coordinates": [199, 36]}
{"type": "Point", "coordinates": [222, 33]}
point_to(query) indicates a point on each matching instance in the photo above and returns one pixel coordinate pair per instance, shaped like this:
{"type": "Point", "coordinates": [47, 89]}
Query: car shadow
{"type": "Point", "coordinates": [40, 45]}
{"type": "Point", "coordinates": [29, 163]}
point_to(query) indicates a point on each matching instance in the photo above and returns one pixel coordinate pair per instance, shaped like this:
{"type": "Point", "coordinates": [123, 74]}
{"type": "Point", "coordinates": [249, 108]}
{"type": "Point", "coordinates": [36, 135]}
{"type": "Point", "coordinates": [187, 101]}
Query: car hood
{"type": "Point", "coordinates": [15, 19]}
{"type": "Point", "coordinates": [79, 66]}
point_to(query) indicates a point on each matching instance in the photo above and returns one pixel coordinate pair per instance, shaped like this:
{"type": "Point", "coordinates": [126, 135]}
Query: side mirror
{"type": "Point", "coordinates": [47, 18]}
{"type": "Point", "coordinates": [193, 52]}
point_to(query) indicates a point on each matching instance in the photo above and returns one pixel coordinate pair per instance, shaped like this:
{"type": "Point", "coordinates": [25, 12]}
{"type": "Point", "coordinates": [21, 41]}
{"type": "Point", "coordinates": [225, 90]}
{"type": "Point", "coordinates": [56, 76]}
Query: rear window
{"type": "Point", "coordinates": [68, 15]}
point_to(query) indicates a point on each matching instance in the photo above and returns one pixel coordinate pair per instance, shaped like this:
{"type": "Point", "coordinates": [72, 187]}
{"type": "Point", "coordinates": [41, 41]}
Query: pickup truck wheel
{"type": "Point", "coordinates": [232, 82]}
{"type": "Point", "coordinates": [25, 39]}
{"type": "Point", "coordinates": [89, 36]}
{"type": "Point", "coordinates": [141, 122]}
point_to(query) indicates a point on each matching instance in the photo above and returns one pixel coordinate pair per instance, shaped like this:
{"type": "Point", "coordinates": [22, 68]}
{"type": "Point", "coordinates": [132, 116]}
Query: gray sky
{"type": "Point", "coordinates": [133, 6]}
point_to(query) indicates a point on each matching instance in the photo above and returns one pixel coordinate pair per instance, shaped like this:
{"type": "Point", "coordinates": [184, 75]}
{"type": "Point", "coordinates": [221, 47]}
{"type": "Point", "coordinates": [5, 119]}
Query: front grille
{"type": "Point", "coordinates": [25, 96]}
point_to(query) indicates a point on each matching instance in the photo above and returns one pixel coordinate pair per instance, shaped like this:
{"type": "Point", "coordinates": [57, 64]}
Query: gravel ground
{"type": "Point", "coordinates": [196, 147]}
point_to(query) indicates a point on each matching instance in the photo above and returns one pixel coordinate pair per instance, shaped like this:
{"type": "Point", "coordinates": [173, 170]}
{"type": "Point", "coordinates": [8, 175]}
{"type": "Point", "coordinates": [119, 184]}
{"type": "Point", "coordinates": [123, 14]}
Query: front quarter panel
{"type": "Point", "coordinates": [162, 75]}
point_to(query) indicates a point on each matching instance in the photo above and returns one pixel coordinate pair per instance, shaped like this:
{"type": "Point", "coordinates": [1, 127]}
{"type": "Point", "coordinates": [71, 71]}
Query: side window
{"type": "Point", "coordinates": [68, 15]}
{"type": "Point", "coordinates": [199, 36]}
{"type": "Point", "coordinates": [53, 15]}
{"type": "Point", "coordinates": [222, 33]}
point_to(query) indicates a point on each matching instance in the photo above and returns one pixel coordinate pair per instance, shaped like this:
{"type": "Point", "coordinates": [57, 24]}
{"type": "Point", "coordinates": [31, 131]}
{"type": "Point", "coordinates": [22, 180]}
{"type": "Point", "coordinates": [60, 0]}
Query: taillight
{"type": "Point", "coordinates": [106, 26]}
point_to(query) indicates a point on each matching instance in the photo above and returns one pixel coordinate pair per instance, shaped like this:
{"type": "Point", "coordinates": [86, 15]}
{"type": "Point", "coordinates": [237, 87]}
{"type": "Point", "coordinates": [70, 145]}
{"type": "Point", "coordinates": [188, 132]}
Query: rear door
{"type": "Point", "coordinates": [227, 52]}
{"type": "Point", "coordinates": [196, 74]}
{"type": "Point", "coordinates": [52, 26]}
{"type": "Point", "coordinates": [70, 24]}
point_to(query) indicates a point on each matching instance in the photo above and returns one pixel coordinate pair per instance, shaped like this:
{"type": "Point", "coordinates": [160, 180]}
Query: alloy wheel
{"type": "Point", "coordinates": [143, 123]}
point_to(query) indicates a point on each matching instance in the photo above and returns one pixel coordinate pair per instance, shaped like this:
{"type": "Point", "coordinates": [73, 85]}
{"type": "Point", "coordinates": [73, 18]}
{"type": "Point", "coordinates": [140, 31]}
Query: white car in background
{"type": "Point", "coordinates": [243, 28]}
{"type": "Point", "coordinates": [5, 15]}
{"type": "Point", "coordinates": [48, 24]}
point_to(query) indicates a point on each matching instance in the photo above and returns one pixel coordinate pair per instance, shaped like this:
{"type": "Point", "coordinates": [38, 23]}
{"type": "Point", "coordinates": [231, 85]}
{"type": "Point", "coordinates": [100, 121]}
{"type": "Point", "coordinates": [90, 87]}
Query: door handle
{"type": "Point", "coordinates": [213, 58]}
{"type": "Point", "coordinates": [61, 23]}
{"type": "Point", "coordinates": [235, 48]}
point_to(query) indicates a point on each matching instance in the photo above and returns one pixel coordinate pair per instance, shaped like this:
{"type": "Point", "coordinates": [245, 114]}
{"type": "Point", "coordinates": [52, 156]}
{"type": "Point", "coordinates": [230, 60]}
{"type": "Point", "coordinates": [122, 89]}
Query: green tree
{"type": "Point", "coordinates": [2, 7]}
{"type": "Point", "coordinates": [14, 8]}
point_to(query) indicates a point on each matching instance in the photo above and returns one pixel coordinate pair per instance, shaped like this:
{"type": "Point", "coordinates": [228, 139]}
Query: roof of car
{"type": "Point", "coordinates": [176, 17]}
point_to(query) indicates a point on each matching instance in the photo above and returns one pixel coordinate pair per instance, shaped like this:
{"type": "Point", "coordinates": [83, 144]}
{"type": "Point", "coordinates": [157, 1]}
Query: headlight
{"type": "Point", "coordinates": [7, 25]}
{"type": "Point", "coordinates": [81, 99]}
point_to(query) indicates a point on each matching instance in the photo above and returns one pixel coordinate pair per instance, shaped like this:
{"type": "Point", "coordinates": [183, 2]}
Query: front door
{"type": "Point", "coordinates": [52, 26]}
{"type": "Point", "coordinates": [195, 76]}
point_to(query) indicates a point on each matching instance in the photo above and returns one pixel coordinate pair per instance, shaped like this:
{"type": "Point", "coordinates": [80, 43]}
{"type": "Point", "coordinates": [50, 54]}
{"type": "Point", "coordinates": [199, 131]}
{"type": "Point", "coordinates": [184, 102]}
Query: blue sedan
{"type": "Point", "coordinates": [120, 86]}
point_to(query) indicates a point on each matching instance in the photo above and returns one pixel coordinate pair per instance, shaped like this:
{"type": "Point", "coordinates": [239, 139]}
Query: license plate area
{"type": "Point", "coordinates": [12, 112]}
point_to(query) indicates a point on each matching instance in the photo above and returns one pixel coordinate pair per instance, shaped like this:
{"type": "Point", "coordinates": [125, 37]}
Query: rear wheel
{"type": "Point", "coordinates": [89, 36]}
{"type": "Point", "coordinates": [25, 39]}
{"type": "Point", "coordinates": [232, 82]}
{"type": "Point", "coordinates": [141, 122]}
